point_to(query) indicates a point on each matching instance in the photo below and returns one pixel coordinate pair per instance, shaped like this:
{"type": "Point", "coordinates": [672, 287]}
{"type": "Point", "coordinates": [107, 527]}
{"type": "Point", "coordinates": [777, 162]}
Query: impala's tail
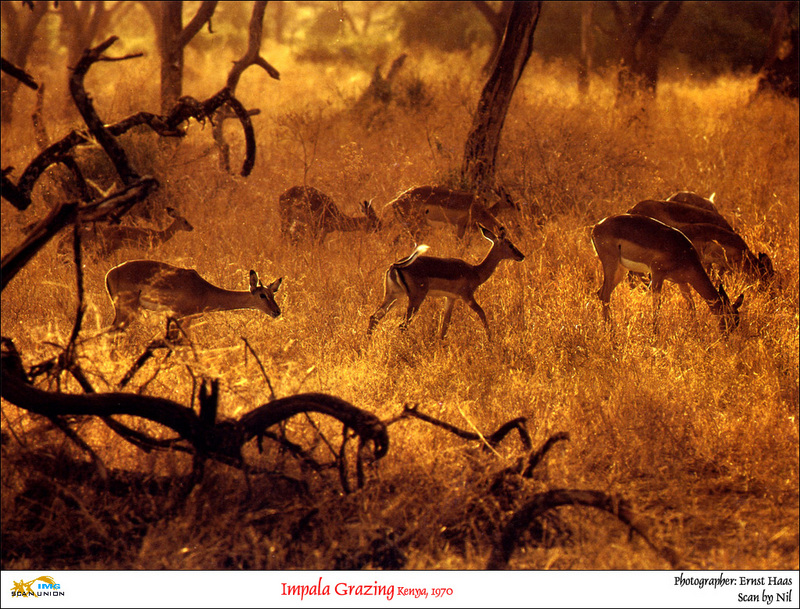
{"type": "Point", "coordinates": [421, 249]}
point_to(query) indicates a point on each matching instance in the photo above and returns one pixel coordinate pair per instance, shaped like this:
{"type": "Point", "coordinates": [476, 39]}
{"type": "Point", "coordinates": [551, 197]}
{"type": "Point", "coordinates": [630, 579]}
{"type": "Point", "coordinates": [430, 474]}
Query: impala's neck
{"type": "Point", "coordinates": [350, 223]}
{"type": "Point", "coordinates": [219, 299]}
{"type": "Point", "coordinates": [167, 233]}
{"type": "Point", "coordinates": [703, 286]}
{"type": "Point", "coordinates": [488, 265]}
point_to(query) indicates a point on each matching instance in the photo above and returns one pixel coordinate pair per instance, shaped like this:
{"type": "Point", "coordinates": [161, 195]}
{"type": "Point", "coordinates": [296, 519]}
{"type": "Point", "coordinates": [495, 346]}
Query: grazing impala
{"type": "Point", "coordinates": [104, 241]}
{"type": "Point", "coordinates": [692, 198]}
{"type": "Point", "coordinates": [645, 245]}
{"type": "Point", "coordinates": [156, 286]}
{"type": "Point", "coordinates": [677, 214]}
{"type": "Point", "coordinates": [418, 276]}
{"type": "Point", "coordinates": [417, 207]}
{"type": "Point", "coordinates": [727, 250]}
{"type": "Point", "coordinates": [304, 210]}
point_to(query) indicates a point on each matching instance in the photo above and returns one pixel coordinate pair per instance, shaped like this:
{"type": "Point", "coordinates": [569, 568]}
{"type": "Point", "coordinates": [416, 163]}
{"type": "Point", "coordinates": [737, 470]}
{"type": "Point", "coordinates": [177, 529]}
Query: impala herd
{"type": "Point", "coordinates": [677, 239]}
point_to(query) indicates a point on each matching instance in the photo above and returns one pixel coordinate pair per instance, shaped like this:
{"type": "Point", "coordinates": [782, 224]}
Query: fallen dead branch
{"type": "Point", "coordinates": [492, 439]}
{"type": "Point", "coordinates": [513, 531]}
{"type": "Point", "coordinates": [220, 440]}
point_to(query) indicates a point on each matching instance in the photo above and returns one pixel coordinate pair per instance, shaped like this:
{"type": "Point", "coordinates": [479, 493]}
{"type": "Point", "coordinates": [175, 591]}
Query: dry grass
{"type": "Point", "coordinates": [696, 429]}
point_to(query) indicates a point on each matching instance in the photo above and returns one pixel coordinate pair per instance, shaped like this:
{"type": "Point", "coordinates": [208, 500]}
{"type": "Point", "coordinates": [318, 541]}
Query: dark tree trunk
{"type": "Point", "coordinates": [173, 39]}
{"type": "Point", "coordinates": [20, 24]}
{"type": "Point", "coordinates": [497, 21]}
{"type": "Point", "coordinates": [483, 141]}
{"type": "Point", "coordinates": [780, 71]}
{"type": "Point", "coordinates": [587, 46]}
{"type": "Point", "coordinates": [171, 54]}
{"type": "Point", "coordinates": [642, 27]}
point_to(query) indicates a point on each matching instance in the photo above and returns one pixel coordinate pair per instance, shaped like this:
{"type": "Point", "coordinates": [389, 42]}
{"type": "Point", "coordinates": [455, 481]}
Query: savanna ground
{"type": "Point", "coordinates": [698, 430]}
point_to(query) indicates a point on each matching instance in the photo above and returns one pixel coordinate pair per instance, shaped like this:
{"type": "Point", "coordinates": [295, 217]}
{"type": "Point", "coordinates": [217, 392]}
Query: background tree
{"type": "Point", "coordinates": [20, 24]}
{"type": "Point", "coordinates": [780, 71]}
{"type": "Point", "coordinates": [497, 21]}
{"type": "Point", "coordinates": [172, 38]}
{"type": "Point", "coordinates": [483, 141]}
{"type": "Point", "coordinates": [82, 23]}
{"type": "Point", "coordinates": [641, 28]}
{"type": "Point", "coordinates": [587, 46]}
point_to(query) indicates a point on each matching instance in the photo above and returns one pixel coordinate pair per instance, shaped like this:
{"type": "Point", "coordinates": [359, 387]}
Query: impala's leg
{"type": "Point", "coordinates": [448, 311]}
{"type": "Point", "coordinates": [383, 309]}
{"type": "Point", "coordinates": [477, 308]}
{"type": "Point", "coordinates": [655, 286]}
{"type": "Point", "coordinates": [687, 294]}
{"type": "Point", "coordinates": [613, 272]}
{"type": "Point", "coordinates": [125, 307]}
{"type": "Point", "coordinates": [391, 292]}
{"type": "Point", "coordinates": [414, 302]}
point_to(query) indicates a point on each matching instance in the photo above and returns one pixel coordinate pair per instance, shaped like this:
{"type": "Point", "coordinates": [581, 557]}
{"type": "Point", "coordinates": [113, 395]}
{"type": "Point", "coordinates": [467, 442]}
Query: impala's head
{"type": "Point", "coordinates": [728, 311]}
{"type": "Point", "coordinates": [181, 223]}
{"type": "Point", "coordinates": [374, 223]}
{"type": "Point", "coordinates": [265, 294]}
{"type": "Point", "coordinates": [764, 265]}
{"type": "Point", "coordinates": [507, 249]}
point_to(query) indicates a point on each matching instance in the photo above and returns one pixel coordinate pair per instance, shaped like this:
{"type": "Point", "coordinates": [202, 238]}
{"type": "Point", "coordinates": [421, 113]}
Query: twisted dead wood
{"type": "Point", "coordinates": [493, 439]}
{"type": "Point", "coordinates": [221, 440]}
{"type": "Point", "coordinates": [167, 126]}
{"type": "Point", "coordinates": [541, 502]}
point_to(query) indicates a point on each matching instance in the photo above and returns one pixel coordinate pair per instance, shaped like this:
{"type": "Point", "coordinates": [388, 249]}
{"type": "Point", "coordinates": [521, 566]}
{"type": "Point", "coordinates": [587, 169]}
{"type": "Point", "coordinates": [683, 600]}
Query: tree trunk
{"type": "Point", "coordinates": [21, 24]}
{"type": "Point", "coordinates": [173, 39]}
{"type": "Point", "coordinates": [587, 46]}
{"type": "Point", "coordinates": [171, 54]}
{"type": "Point", "coordinates": [483, 141]}
{"type": "Point", "coordinates": [780, 71]}
{"type": "Point", "coordinates": [497, 21]}
{"type": "Point", "coordinates": [642, 27]}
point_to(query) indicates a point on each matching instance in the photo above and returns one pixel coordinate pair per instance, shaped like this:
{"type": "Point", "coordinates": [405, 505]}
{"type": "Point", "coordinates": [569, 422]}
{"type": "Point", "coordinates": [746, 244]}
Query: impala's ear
{"type": "Point", "coordinates": [487, 233]}
{"type": "Point", "coordinates": [253, 280]}
{"type": "Point", "coordinates": [738, 302]}
{"type": "Point", "coordinates": [723, 294]}
{"type": "Point", "coordinates": [273, 287]}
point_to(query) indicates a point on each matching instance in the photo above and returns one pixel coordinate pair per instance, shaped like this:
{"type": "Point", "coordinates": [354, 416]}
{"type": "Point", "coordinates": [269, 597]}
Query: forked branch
{"type": "Point", "coordinates": [493, 439]}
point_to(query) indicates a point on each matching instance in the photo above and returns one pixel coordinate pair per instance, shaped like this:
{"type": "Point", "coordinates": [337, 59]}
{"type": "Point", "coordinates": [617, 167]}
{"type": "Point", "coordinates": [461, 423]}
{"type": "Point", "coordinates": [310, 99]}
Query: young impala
{"type": "Point", "coordinates": [645, 245]}
{"type": "Point", "coordinates": [418, 207]}
{"type": "Point", "coordinates": [104, 241]}
{"type": "Point", "coordinates": [304, 210]}
{"type": "Point", "coordinates": [726, 249]}
{"type": "Point", "coordinates": [418, 276]}
{"type": "Point", "coordinates": [156, 286]}
{"type": "Point", "coordinates": [677, 214]}
{"type": "Point", "coordinates": [692, 198]}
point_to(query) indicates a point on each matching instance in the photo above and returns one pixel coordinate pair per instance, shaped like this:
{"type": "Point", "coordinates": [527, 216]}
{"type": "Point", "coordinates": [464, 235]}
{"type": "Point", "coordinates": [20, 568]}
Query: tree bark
{"type": "Point", "coordinates": [483, 141]}
{"type": "Point", "coordinates": [173, 39]}
{"type": "Point", "coordinates": [780, 71]}
{"type": "Point", "coordinates": [497, 20]}
{"type": "Point", "coordinates": [587, 46]}
{"type": "Point", "coordinates": [20, 27]}
{"type": "Point", "coordinates": [642, 27]}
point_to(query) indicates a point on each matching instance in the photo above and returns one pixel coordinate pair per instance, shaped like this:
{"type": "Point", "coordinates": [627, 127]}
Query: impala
{"type": "Point", "coordinates": [156, 286]}
{"type": "Point", "coordinates": [677, 214]}
{"type": "Point", "coordinates": [645, 245]}
{"type": "Point", "coordinates": [306, 210]}
{"type": "Point", "coordinates": [418, 276]}
{"type": "Point", "coordinates": [105, 241]}
{"type": "Point", "coordinates": [692, 198]}
{"type": "Point", "coordinates": [726, 249]}
{"type": "Point", "coordinates": [417, 207]}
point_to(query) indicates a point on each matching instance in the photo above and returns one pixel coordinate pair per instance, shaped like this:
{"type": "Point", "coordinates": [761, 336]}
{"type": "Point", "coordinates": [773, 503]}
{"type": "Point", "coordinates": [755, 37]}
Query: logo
{"type": "Point", "coordinates": [47, 586]}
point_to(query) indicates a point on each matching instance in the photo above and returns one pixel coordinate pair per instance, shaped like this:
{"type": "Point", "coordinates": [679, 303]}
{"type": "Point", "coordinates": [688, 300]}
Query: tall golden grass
{"type": "Point", "coordinates": [698, 430]}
